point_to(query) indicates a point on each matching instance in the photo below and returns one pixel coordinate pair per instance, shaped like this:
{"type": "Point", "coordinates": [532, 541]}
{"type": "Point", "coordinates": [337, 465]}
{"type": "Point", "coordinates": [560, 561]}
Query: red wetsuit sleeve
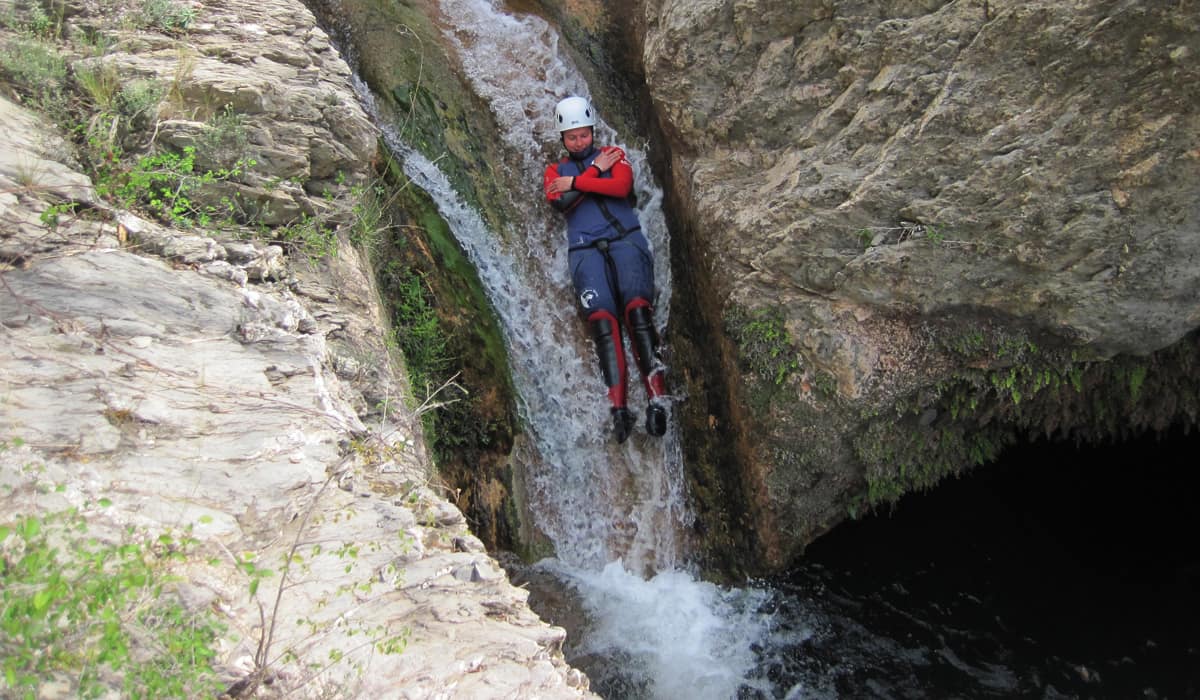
{"type": "Point", "coordinates": [619, 185]}
{"type": "Point", "coordinates": [549, 176]}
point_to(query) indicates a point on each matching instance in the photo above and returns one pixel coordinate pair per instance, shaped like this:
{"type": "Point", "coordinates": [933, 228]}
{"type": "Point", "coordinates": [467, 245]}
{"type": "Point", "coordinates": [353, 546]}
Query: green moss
{"type": "Point", "coordinates": [970, 418]}
{"type": "Point", "coordinates": [970, 343]}
{"type": "Point", "coordinates": [452, 341]}
{"type": "Point", "coordinates": [824, 383]}
{"type": "Point", "coordinates": [404, 60]}
{"type": "Point", "coordinates": [764, 346]}
{"type": "Point", "coordinates": [1137, 377]}
{"type": "Point", "coordinates": [986, 340]}
{"type": "Point", "coordinates": [907, 456]}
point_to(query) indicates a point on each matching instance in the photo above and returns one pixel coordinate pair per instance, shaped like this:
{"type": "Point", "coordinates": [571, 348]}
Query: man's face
{"type": "Point", "coordinates": [578, 139]}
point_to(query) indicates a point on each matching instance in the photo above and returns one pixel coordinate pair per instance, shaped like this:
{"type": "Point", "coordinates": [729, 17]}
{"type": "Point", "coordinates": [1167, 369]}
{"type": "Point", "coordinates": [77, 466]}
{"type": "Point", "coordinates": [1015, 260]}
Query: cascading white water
{"type": "Point", "coordinates": [615, 513]}
{"type": "Point", "coordinates": [595, 500]}
{"type": "Point", "coordinates": [679, 636]}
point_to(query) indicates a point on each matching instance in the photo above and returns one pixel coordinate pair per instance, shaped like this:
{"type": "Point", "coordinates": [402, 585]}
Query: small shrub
{"type": "Point", "coordinates": [865, 236]}
{"type": "Point", "coordinates": [39, 23]}
{"type": "Point", "coordinates": [34, 66]}
{"type": "Point", "coordinates": [369, 212]}
{"type": "Point", "coordinates": [167, 15]}
{"type": "Point", "coordinates": [764, 344]}
{"type": "Point", "coordinates": [101, 83]}
{"type": "Point", "coordinates": [224, 141]}
{"type": "Point", "coordinates": [310, 236]}
{"type": "Point", "coordinates": [139, 99]}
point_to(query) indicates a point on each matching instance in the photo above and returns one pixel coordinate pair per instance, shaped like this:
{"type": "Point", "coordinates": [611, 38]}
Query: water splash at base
{"type": "Point", "coordinates": [670, 635]}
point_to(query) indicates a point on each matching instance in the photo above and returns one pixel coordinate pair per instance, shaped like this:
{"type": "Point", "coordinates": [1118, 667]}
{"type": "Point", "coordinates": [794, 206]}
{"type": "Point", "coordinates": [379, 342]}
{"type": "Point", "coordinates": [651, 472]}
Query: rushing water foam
{"type": "Point", "coordinates": [673, 636]}
{"type": "Point", "coordinates": [615, 513]}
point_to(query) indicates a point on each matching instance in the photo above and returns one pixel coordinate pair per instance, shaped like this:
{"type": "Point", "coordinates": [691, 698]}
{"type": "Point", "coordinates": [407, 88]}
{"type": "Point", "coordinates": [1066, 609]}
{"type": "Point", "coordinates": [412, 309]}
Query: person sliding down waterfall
{"type": "Point", "coordinates": [611, 265]}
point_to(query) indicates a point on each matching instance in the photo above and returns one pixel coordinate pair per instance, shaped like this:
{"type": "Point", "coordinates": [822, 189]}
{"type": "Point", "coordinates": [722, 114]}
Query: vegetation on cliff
{"type": "Point", "coordinates": [86, 609]}
{"type": "Point", "coordinates": [199, 243]}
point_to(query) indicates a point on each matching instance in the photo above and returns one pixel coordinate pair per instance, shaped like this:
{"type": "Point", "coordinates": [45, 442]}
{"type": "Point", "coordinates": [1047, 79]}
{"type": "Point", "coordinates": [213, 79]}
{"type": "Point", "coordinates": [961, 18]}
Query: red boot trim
{"type": "Point", "coordinates": [656, 385]}
{"type": "Point", "coordinates": [616, 392]}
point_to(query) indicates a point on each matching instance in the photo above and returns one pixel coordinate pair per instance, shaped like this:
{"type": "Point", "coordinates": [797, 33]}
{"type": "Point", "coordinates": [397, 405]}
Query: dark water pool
{"type": "Point", "coordinates": [1059, 572]}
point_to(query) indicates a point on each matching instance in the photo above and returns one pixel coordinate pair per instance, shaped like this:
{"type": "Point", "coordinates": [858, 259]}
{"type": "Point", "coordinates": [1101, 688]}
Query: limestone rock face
{"type": "Point", "coordinates": [898, 177]}
{"type": "Point", "coordinates": [167, 380]}
{"type": "Point", "coordinates": [259, 83]}
{"type": "Point", "coordinates": [1050, 147]}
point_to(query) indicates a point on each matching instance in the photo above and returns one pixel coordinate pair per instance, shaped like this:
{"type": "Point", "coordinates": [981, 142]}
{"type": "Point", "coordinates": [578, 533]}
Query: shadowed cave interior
{"type": "Point", "coordinates": [1086, 555]}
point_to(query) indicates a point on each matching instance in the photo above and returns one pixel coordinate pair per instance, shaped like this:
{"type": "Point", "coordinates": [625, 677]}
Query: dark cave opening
{"type": "Point", "coordinates": [1084, 554]}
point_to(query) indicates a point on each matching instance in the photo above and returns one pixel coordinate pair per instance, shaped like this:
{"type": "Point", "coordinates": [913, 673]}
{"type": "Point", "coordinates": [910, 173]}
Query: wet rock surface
{"type": "Point", "coordinates": [911, 191]}
{"type": "Point", "coordinates": [163, 380]}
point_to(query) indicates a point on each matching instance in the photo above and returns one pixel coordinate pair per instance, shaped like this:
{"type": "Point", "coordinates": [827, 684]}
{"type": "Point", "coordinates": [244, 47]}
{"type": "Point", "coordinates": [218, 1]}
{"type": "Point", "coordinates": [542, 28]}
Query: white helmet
{"type": "Point", "coordinates": [574, 112]}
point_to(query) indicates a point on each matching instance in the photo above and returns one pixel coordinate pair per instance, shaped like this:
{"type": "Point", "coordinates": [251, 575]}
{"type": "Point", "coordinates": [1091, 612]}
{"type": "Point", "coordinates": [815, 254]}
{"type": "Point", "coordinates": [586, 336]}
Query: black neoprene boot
{"type": "Point", "coordinates": [656, 419]}
{"type": "Point", "coordinates": [623, 422]}
{"type": "Point", "coordinates": [607, 336]}
{"type": "Point", "coordinates": [644, 341]}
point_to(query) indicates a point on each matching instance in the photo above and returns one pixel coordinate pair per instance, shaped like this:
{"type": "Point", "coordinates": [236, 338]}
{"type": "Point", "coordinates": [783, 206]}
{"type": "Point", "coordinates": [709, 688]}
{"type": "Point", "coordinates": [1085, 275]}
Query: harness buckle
{"type": "Point", "coordinates": [602, 245]}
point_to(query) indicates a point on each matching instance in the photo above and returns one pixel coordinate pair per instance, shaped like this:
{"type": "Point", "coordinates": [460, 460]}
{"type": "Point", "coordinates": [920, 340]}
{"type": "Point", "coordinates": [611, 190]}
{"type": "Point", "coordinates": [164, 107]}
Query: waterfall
{"type": "Point", "coordinates": [615, 513]}
{"type": "Point", "coordinates": [597, 501]}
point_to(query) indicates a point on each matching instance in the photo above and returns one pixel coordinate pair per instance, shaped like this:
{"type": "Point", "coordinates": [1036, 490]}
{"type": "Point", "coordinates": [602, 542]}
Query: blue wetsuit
{"type": "Point", "coordinates": [600, 210]}
{"type": "Point", "coordinates": [612, 271]}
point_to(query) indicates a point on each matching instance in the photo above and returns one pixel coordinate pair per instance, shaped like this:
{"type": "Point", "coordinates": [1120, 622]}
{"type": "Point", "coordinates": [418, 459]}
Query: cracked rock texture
{"type": "Point", "coordinates": [223, 387]}
{"type": "Point", "coordinates": [895, 178]}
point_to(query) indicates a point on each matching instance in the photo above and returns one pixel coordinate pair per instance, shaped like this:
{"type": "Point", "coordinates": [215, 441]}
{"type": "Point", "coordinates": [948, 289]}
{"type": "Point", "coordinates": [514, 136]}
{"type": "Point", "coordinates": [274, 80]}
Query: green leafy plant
{"type": "Point", "coordinates": [167, 15]}
{"type": "Point", "coordinates": [418, 332]}
{"type": "Point", "coordinates": [51, 215]}
{"type": "Point", "coordinates": [97, 614]}
{"type": "Point", "coordinates": [165, 184]}
{"type": "Point", "coordinates": [101, 83]}
{"type": "Point", "coordinates": [12, 443]}
{"type": "Point", "coordinates": [764, 343]}
{"type": "Point", "coordinates": [254, 573]}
